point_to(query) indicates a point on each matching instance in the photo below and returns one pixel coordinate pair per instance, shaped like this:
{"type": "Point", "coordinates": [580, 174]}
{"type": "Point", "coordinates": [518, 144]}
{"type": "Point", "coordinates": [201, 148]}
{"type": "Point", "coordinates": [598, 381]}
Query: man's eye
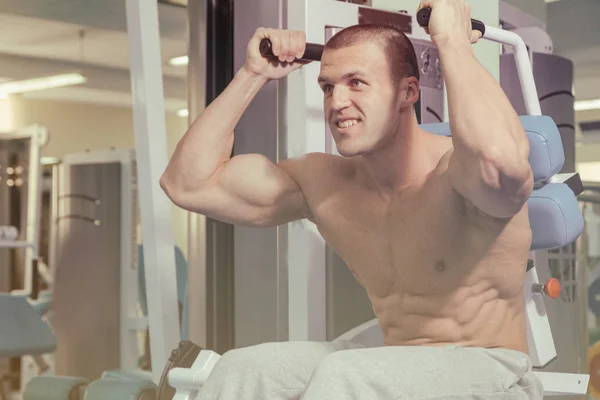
{"type": "Point", "coordinates": [327, 88]}
{"type": "Point", "coordinates": [356, 82]}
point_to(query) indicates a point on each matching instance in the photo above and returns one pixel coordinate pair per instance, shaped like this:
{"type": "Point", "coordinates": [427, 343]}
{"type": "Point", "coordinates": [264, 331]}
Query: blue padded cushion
{"type": "Point", "coordinates": [546, 154]}
{"type": "Point", "coordinates": [121, 389]}
{"type": "Point", "coordinates": [22, 330]}
{"type": "Point", "coordinates": [54, 388]}
{"type": "Point", "coordinates": [554, 216]}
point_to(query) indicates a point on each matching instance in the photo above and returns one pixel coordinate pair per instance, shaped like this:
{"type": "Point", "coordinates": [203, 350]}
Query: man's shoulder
{"type": "Point", "coordinates": [315, 172]}
{"type": "Point", "coordinates": [311, 163]}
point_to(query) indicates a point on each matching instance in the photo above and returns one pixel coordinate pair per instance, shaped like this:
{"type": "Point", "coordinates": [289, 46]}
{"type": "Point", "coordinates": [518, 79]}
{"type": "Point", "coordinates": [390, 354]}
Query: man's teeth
{"type": "Point", "coordinates": [348, 123]}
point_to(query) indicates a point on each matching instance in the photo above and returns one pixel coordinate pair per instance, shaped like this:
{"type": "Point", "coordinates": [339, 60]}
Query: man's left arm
{"type": "Point", "coordinates": [489, 164]}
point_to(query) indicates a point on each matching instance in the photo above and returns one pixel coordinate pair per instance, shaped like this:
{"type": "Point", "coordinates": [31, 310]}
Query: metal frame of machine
{"type": "Point", "coordinates": [151, 154]}
{"type": "Point", "coordinates": [38, 136]}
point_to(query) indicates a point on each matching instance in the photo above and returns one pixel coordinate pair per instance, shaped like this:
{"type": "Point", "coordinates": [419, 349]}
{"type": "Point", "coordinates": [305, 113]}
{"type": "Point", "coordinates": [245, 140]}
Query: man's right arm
{"type": "Point", "coordinates": [247, 189]}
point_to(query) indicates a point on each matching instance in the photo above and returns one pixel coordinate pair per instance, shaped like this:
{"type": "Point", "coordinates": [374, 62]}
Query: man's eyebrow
{"type": "Point", "coordinates": [352, 74]}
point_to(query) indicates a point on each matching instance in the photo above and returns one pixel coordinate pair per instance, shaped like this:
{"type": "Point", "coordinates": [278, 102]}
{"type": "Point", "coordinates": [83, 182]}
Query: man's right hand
{"type": "Point", "coordinates": [288, 47]}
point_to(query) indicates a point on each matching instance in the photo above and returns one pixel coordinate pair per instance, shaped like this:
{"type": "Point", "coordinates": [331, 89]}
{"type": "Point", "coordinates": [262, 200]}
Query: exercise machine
{"type": "Point", "coordinates": [23, 331]}
{"type": "Point", "coordinates": [93, 256]}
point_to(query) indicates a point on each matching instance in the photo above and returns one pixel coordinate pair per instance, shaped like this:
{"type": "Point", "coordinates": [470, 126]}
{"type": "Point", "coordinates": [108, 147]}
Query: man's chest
{"type": "Point", "coordinates": [411, 239]}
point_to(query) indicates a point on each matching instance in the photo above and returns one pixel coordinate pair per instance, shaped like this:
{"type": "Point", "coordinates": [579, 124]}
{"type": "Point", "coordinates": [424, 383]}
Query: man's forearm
{"type": "Point", "coordinates": [482, 119]}
{"type": "Point", "coordinates": [208, 143]}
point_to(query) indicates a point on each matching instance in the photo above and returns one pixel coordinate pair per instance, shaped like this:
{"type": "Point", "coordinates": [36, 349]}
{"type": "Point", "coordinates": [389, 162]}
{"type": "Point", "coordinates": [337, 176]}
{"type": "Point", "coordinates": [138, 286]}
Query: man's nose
{"type": "Point", "coordinates": [340, 98]}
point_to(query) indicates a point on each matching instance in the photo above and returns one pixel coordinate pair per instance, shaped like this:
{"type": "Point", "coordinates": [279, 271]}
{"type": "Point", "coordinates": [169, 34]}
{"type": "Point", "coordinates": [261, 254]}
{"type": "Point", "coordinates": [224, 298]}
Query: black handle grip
{"type": "Point", "coordinates": [312, 52]}
{"type": "Point", "coordinates": [425, 13]}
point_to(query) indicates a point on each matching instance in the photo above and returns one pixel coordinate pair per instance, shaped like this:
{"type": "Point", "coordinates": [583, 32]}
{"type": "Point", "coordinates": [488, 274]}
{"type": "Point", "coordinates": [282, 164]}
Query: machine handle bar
{"type": "Point", "coordinates": [425, 13]}
{"type": "Point", "coordinates": [312, 52]}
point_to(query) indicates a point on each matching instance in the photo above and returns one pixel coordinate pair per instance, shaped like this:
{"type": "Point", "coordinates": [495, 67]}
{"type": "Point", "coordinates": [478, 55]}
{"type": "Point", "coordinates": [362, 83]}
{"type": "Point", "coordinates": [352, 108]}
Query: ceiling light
{"type": "Point", "coordinates": [47, 82]}
{"type": "Point", "coordinates": [178, 61]}
{"type": "Point", "coordinates": [583, 105]}
{"type": "Point", "coordinates": [48, 160]}
{"type": "Point", "coordinates": [183, 113]}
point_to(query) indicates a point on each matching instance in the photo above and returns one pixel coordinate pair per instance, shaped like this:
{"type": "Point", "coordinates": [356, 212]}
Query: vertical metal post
{"type": "Point", "coordinates": [210, 244]}
{"type": "Point", "coordinates": [38, 138]}
{"type": "Point", "coordinates": [197, 247]}
{"type": "Point", "coordinates": [151, 155]}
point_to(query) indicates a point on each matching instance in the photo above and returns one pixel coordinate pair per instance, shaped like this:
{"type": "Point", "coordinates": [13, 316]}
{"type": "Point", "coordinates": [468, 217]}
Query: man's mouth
{"type": "Point", "coordinates": [347, 123]}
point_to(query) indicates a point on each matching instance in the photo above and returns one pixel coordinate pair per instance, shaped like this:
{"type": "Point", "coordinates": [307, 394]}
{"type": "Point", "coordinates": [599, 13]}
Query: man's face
{"type": "Point", "coordinates": [361, 101]}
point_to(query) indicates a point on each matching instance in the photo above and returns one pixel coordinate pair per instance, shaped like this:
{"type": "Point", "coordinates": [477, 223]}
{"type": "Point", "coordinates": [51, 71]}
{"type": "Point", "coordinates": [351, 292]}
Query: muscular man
{"type": "Point", "coordinates": [435, 228]}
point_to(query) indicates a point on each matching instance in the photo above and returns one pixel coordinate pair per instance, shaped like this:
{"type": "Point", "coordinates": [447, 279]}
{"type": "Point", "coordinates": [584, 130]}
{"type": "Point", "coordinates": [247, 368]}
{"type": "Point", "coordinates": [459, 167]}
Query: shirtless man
{"type": "Point", "coordinates": [436, 229]}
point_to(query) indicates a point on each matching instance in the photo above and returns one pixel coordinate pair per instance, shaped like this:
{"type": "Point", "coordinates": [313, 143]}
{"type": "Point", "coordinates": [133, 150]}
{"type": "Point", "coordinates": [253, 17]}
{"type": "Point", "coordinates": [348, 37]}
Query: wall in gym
{"type": "Point", "coordinates": [75, 127]}
{"type": "Point", "coordinates": [535, 8]}
{"type": "Point", "coordinates": [588, 152]}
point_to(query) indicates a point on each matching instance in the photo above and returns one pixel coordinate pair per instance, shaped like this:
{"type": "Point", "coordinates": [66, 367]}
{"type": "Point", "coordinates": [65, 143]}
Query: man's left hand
{"type": "Point", "coordinates": [450, 22]}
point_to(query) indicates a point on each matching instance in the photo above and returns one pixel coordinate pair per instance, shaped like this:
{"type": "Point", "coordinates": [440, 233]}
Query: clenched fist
{"type": "Point", "coordinates": [287, 46]}
{"type": "Point", "coordinates": [450, 22]}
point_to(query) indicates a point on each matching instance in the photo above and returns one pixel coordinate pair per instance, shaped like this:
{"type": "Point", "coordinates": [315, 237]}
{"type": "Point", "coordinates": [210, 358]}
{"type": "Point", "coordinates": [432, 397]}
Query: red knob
{"type": "Point", "coordinates": [552, 288]}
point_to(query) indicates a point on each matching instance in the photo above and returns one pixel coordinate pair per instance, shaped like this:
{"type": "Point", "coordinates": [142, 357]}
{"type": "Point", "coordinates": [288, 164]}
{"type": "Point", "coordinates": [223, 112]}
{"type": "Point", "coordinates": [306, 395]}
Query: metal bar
{"type": "Point", "coordinates": [589, 199]}
{"type": "Point", "coordinates": [38, 138]}
{"type": "Point", "coordinates": [197, 249]}
{"type": "Point", "coordinates": [591, 186]}
{"type": "Point", "coordinates": [151, 156]}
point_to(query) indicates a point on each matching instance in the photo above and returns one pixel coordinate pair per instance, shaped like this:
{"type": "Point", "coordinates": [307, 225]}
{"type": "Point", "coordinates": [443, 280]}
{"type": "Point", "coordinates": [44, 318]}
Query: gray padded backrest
{"type": "Point", "coordinates": [22, 330]}
{"type": "Point", "coordinates": [554, 216]}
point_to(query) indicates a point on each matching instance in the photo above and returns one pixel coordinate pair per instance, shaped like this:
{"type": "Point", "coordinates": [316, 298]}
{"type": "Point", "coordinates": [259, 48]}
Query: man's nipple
{"type": "Point", "coordinates": [440, 266]}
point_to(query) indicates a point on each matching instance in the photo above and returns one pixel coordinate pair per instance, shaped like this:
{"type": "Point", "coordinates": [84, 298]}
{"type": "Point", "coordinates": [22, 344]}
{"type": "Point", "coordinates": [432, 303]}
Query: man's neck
{"type": "Point", "coordinates": [401, 162]}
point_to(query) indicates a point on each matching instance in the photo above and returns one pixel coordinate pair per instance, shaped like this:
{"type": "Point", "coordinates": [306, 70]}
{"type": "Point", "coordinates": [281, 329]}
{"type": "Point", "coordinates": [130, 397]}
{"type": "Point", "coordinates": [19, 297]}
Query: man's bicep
{"type": "Point", "coordinates": [251, 190]}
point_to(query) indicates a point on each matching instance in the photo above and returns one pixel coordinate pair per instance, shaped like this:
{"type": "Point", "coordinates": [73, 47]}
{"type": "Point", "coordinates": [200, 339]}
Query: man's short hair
{"type": "Point", "coordinates": [396, 45]}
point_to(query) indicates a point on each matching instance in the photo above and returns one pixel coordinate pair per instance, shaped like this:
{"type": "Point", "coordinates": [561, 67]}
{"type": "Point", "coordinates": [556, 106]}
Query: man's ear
{"type": "Point", "coordinates": [410, 91]}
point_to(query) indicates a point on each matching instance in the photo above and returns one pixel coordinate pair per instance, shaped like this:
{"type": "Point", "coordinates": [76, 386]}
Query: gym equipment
{"type": "Point", "coordinates": [93, 253]}
{"type": "Point", "coordinates": [555, 220]}
{"type": "Point", "coordinates": [312, 51]}
{"type": "Point", "coordinates": [23, 335]}
{"type": "Point", "coordinates": [22, 331]}
{"type": "Point", "coordinates": [55, 388]}
{"type": "Point", "coordinates": [554, 79]}
{"type": "Point", "coordinates": [151, 154]}
{"type": "Point", "coordinates": [118, 389]}
{"type": "Point", "coordinates": [424, 14]}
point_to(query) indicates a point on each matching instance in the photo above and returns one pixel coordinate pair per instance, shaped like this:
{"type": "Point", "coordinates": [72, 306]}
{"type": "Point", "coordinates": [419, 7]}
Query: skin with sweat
{"type": "Point", "coordinates": [435, 228]}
